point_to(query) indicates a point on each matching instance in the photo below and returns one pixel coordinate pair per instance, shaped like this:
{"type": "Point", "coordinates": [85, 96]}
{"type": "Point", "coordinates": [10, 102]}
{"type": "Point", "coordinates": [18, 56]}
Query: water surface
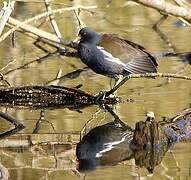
{"type": "Point", "coordinates": [164, 98]}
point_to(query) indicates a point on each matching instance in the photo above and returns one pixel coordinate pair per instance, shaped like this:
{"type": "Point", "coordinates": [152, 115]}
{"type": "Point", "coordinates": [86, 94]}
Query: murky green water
{"type": "Point", "coordinates": [165, 99]}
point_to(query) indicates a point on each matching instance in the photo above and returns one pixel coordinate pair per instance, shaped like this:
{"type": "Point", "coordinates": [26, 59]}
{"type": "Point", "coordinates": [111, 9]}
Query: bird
{"type": "Point", "coordinates": [113, 56]}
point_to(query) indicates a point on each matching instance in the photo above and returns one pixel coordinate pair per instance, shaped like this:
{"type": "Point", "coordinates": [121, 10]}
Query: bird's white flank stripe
{"type": "Point", "coordinates": [108, 56]}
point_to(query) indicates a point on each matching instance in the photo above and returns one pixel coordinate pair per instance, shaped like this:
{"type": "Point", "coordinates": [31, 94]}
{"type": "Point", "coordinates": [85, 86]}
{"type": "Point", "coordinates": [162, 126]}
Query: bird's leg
{"type": "Point", "coordinates": [110, 83]}
{"type": "Point", "coordinates": [102, 94]}
{"type": "Point", "coordinates": [116, 83]}
{"type": "Point", "coordinates": [119, 84]}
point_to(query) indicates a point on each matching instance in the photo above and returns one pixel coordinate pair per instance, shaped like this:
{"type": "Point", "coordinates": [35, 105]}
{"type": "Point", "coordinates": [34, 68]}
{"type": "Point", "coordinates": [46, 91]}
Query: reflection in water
{"type": "Point", "coordinates": [35, 69]}
{"type": "Point", "coordinates": [114, 142]}
{"type": "Point", "coordinates": [18, 126]}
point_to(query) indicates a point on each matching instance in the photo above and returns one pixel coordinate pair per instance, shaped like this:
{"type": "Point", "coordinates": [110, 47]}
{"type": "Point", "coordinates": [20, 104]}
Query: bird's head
{"type": "Point", "coordinates": [88, 35]}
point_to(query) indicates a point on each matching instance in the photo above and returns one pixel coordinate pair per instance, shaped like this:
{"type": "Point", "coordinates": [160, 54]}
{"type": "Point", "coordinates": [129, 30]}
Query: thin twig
{"type": "Point", "coordinates": [147, 75]}
{"type": "Point", "coordinates": [167, 8]}
{"type": "Point", "coordinates": [80, 22]}
{"type": "Point", "coordinates": [3, 79]}
{"type": "Point", "coordinates": [5, 14]}
{"type": "Point", "coordinates": [52, 19]}
{"type": "Point", "coordinates": [45, 14]}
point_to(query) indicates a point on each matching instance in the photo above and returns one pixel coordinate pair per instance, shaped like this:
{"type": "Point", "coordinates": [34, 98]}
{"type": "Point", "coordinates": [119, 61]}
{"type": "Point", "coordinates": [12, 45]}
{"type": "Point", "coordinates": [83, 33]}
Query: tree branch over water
{"type": "Point", "coordinates": [18, 24]}
{"type": "Point", "coordinates": [147, 75]}
{"type": "Point", "coordinates": [167, 8]}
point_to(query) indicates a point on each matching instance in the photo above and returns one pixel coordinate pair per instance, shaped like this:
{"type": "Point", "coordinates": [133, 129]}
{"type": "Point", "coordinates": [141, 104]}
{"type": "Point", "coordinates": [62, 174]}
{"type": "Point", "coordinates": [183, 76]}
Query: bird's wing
{"type": "Point", "coordinates": [136, 58]}
{"type": "Point", "coordinates": [110, 58]}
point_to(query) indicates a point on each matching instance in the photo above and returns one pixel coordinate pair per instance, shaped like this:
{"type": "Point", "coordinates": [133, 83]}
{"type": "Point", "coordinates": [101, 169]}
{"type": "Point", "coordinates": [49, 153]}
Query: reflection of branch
{"type": "Point", "coordinates": [124, 126]}
{"type": "Point", "coordinates": [71, 75]}
{"type": "Point", "coordinates": [161, 34]}
{"type": "Point", "coordinates": [12, 120]}
{"type": "Point", "coordinates": [4, 173]}
{"type": "Point", "coordinates": [167, 8]}
{"type": "Point", "coordinates": [39, 122]}
{"type": "Point", "coordinates": [39, 60]}
{"type": "Point", "coordinates": [84, 129]}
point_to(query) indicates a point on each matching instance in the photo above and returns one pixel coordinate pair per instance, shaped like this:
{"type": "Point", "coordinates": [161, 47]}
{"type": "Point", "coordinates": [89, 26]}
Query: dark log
{"type": "Point", "coordinates": [48, 96]}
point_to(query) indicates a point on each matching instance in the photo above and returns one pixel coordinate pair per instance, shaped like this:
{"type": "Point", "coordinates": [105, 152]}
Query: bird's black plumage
{"type": "Point", "coordinates": [110, 55]}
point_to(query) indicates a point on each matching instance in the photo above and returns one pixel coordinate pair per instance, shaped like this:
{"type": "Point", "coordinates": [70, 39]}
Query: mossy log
{"type": "Point", "coordinates": [151, 140]}
{"type": "Point", "coordinates": [48, 96]}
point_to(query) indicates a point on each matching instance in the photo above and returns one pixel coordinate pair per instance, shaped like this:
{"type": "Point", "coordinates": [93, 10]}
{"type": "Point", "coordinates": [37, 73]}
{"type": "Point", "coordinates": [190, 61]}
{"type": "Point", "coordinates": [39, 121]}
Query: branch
{"type": "Point", "coordinates": [147, 75]}
{"type": "Point", "coordinates": [167, 8]}
{"type": "Point", "coordinates": [5, 14]}
{"type": "Point", "coordinates": [52, 19]}
{"type": "Point", "coordinates": [45, 14]}
{"type": "Point", "coordinates": [167, 75]}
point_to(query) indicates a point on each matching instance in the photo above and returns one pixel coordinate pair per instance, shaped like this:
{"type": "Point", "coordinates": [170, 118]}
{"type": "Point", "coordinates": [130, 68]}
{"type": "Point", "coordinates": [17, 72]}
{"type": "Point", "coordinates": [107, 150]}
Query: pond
{"type": "Point", "coordinates": [54, 157]}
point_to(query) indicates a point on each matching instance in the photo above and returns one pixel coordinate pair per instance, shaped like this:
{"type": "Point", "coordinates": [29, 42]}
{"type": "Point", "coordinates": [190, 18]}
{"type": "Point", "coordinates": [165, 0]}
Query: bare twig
{"type": "Point", "coordinates": [57, 78]}
{"type": "Point", "coordinates": [147, 75]}
{"type": "Point", "coordinates": [52, 19]}
{"type": "Point", "coordinates": [167, 8]}
{"type": "Point", "coordinates": [80, 22]}
{"type": "Point", "coordinates": [183, 3]}
{"type": "Point", "coordinates": [4, 80]}
{"type": "Point", "coordinates": [20, 24]}
{"type": "Point", "coordinates": [36, 33]}
{"type": "Point", "coordinates": [5, 14]}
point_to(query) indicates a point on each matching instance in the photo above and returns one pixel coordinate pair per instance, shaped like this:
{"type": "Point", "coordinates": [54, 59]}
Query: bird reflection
{"type": "Point", "coordinates": [114, 142]}
{"type": "Point", "coordinates": [104, 145]}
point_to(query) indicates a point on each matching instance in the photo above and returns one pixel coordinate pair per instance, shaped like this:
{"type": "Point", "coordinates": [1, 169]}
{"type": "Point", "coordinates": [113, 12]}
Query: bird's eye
{"type": "Point", "coordinates": [84, 34]}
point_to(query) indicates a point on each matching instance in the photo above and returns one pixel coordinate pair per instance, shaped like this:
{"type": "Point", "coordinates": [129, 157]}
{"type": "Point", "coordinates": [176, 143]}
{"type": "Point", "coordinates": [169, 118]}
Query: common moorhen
{"type": "Point", "coordinates": [112, 56]}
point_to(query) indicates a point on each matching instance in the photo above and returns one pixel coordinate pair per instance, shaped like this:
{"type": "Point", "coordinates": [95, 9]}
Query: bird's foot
{"type": "Point", "coordinates": [100, 96]}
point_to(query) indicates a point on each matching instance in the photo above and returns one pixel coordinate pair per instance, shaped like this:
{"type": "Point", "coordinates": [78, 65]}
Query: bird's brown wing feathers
{"type": "Point", "coordinates": [137, 59]}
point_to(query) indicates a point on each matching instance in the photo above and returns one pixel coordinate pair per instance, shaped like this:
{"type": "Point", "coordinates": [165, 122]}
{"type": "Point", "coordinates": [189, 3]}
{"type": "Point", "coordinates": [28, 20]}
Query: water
{"type": "Point", "coordinates": [140, 95]}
